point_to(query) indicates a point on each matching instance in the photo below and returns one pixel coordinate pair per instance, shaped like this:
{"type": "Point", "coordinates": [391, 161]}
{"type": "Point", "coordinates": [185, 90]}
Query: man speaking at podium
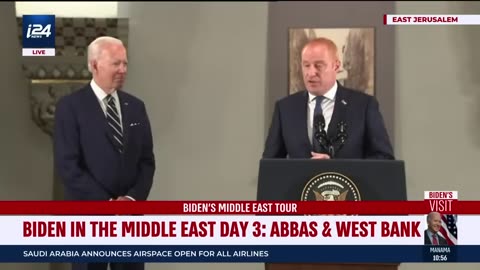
{"type": "Point", "coordinates": [327, 120]}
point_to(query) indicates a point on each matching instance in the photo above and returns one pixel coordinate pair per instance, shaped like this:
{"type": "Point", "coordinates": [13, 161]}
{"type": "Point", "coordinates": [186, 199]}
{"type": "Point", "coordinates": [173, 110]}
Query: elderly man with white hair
{"type": "Point", "coordinates": [103, 142]}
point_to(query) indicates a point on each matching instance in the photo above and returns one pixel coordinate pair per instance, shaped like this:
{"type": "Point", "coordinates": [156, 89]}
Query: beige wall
{"type": "Point", "coordinates": [68, 9]}
{"type": "Point", "coordinates": [437, 96]}
{"type": "Point", "coordinates": [202, 76]}
{"type": "Point", "coordinates": [438, 100]}
{"type": "Point", "coordinates": [201, 69]}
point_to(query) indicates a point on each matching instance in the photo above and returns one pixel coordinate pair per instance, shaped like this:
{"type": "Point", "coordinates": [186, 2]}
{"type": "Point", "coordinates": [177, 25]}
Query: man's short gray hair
{"type": "Point", "coordinates": [95, 48]}
{"type": "Point", "coordinates": [429, 216]}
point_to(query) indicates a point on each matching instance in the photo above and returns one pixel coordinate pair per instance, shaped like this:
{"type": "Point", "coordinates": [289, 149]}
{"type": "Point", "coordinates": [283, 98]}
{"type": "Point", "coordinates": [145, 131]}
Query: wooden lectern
{"type": "Point", "coordinates": [375, 180]}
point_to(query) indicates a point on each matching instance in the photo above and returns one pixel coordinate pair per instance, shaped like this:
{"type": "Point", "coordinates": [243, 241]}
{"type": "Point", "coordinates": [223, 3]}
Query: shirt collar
{"type": "Point", "coordinates": [101, 95]}
{"type": "Point", "coordinates": [330, 94]}
{"type": "Point", "coordinates": [430, 233]}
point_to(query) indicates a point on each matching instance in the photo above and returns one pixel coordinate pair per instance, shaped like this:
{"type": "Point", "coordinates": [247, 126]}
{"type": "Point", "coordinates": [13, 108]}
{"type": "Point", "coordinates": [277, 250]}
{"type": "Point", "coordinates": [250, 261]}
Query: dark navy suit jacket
{"type": "Point", "coordinates": [441, 241]}
{"type": "Point", "coordinates": [85, 157]}
{"type": "Point", "coordinates": [367, 135]}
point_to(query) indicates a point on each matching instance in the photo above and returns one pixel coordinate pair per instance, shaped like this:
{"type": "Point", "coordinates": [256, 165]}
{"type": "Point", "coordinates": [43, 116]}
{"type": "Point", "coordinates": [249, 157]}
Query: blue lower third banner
{"type": "Point", "coordinates": [240, 254]}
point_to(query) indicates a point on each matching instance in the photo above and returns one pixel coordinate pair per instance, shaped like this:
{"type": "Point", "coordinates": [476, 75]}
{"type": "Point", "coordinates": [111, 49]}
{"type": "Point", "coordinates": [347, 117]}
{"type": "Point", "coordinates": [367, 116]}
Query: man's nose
{"type": "Point", "coordinates": [122, 69]}
{"type": "Point", "coordinates": [311, 71]}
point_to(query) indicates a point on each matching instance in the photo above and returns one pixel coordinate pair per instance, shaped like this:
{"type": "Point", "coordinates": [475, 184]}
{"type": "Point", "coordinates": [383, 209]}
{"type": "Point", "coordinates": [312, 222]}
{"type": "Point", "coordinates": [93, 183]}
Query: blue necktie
{"type": "Point", "coordinates": [317, 111]}
{"type": "Point", "coordinates": [318, 105]}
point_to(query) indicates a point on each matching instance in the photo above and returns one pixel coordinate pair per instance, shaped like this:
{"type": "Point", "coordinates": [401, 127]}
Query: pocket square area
{"type": "Point", "coordinates": [134, 124]}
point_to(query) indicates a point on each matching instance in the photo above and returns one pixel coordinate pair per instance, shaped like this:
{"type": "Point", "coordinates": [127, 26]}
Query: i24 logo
{"type": "Point", "coordinates": [37, 31]}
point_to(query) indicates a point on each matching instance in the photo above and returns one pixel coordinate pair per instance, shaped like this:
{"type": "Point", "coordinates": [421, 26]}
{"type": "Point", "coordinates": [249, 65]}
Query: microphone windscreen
{"type": "Point", "coordinates": [319, 120]}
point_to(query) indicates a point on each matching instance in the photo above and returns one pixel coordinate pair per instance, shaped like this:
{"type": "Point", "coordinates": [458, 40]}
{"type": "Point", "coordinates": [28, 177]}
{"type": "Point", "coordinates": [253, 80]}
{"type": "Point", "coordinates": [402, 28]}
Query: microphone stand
{"type": "Point", "coordinates": [323, 140]}
{"type": "Point", "coordinates": [321, 135]}
{"type": "Point", "coordinates": [341, 135]}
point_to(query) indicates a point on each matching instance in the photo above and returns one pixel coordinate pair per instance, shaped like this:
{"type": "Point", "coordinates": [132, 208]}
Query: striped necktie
{"type": "Point", "coordinates": [114, 123]}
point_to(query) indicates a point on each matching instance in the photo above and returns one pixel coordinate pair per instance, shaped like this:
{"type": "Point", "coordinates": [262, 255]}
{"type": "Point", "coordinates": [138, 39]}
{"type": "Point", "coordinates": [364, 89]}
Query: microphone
{"type": "Point", "coordinates": [320, 134]}
{"type": "Point", "coordinates": [341, 135]}
{"type": "Point", "coordinates": [325, 145]}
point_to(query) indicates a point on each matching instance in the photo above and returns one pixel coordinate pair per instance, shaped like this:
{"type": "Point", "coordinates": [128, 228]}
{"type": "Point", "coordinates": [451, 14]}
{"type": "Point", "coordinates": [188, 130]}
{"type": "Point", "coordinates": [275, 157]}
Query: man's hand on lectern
{"type": "Point", "coordinates": [319, 156]}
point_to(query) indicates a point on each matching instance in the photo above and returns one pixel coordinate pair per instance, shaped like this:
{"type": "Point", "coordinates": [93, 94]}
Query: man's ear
{"type": "Point", "coordinates": [337, 65]}
{"type": "Point", "coordinates": [93, 66]}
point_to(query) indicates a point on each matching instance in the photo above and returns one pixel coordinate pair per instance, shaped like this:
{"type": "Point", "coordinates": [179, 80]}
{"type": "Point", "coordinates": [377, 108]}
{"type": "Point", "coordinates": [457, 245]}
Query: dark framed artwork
{"type": "Point", "coordinates": [356, 51]}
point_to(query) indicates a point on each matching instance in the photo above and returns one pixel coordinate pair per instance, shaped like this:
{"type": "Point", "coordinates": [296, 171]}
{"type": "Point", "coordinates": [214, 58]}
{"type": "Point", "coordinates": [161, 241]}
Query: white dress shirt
{"type": "Point", "coordinates": [327, 108]}
{"type": "Point", "coordinates": [102, 99]}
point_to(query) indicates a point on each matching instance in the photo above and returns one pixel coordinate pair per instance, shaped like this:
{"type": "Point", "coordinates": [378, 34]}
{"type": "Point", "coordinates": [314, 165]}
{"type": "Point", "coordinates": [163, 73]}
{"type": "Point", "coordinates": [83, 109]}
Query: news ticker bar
{"type": "Point", "coordinates": [447, 206]}
{"type": "Point", "coordinates": [431, 19]}
{"type": "Point", "coordinates": [239, 254]}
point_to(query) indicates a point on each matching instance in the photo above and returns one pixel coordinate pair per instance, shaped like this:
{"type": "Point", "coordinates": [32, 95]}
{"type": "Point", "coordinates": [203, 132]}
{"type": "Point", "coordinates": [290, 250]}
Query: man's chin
{"type": "Point", "coordinates": [315, 91]}
{"type": "Point", "coordinates": [119, 86]}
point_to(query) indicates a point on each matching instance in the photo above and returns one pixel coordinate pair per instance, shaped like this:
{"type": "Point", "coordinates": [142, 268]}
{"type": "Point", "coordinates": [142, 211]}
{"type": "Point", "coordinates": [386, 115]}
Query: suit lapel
{"type": "Point", "coordinates": [125, 111]}
{"type": "Point", "coordinates": [427, 239]}
{"type": "Point", "coordinates": [96, 114]}
{"type": "Point", "coordinates": [339, 111]}
{"type": "Point", "coordinates": [301, 117]}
